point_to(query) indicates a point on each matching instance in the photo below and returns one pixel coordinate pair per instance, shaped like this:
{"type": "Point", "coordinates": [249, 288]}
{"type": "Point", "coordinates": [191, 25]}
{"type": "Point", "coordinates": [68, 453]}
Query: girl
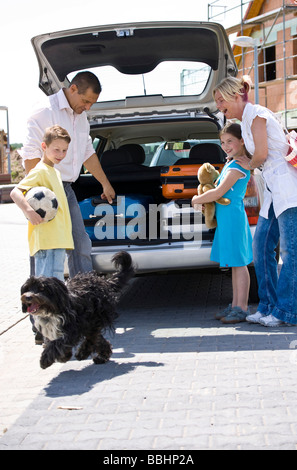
{"type": "Point", "coordinates": [232, 245]}
{"type": "Point", "coordinates": [266, 142]}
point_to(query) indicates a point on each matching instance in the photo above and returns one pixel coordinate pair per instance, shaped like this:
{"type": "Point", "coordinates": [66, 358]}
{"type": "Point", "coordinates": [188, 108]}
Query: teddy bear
{"type": "Point", "coordinates": [207, 175]}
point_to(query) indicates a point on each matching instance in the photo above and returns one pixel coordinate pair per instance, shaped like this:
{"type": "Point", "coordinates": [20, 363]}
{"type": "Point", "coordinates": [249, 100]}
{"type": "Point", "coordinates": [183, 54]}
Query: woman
{"type": "Point", "coordinates": [265, 140]}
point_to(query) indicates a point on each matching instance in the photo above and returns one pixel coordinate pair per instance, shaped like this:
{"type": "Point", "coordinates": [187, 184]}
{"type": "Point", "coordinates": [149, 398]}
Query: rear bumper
{"type": "Point", "coordinates": [156, 258]}
{"type": "Point", "coordinates": [169, 256]}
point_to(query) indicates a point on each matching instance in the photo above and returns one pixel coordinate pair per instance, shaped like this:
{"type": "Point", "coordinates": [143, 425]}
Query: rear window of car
{"type": "Point", "coordinates": [169, 78]}
{"type": "Point", "coordinates": [169, 152]}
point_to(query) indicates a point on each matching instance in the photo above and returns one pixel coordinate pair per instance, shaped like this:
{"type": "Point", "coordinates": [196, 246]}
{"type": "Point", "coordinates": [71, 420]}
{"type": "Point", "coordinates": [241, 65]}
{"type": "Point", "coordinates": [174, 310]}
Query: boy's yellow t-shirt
{"type": "Point", "coordinates": [57, 233]}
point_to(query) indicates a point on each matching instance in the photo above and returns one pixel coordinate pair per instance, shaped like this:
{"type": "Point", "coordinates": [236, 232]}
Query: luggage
{"type": "Point", "coordinates": [125, 218]}
{"type": "Point", "coordinates": [179, 221]}
{"type": "Point", "coordinates": [181, 181]}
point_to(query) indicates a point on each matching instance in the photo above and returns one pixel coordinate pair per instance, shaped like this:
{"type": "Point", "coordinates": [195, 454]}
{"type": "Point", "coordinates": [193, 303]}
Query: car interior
{"type": "Point", "coordinates": [129, 175]}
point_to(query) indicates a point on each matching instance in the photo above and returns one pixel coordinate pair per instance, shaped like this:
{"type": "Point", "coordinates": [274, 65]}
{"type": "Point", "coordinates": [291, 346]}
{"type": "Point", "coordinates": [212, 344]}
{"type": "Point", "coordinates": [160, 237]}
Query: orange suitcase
{"type": "Point", "coordinates": [181, 181]}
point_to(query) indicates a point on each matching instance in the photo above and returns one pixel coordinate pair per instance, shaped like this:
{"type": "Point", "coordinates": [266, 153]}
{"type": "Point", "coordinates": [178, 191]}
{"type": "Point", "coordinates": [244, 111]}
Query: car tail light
{"type": "Point", "coordinates": [252, 201]}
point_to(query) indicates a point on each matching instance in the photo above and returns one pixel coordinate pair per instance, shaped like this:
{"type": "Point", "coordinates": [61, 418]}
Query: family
{"type": "Point", "coordinates": [58, 133]}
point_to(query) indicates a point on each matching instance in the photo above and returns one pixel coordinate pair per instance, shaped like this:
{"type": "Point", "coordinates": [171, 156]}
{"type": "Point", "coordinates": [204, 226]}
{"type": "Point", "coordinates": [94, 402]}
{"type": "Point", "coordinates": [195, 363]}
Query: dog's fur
{"type": "Point", "coordinates": [76, 312]}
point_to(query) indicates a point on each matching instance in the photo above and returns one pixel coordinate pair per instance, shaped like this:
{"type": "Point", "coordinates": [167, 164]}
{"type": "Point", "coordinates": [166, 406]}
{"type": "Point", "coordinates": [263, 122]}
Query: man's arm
{"type": "Point", "coordinates": [93, 165]}
{"type": "Point", "coordinates": [29, 164]}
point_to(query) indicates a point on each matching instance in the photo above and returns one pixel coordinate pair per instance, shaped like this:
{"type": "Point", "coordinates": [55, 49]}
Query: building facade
{"type": "Point", "coordinates": [273, 26]}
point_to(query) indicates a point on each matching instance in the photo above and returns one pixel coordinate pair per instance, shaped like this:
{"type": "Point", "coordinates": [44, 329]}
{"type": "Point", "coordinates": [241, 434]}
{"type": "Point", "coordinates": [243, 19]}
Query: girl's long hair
{"type": "Point", "coordinates": [234, 129]}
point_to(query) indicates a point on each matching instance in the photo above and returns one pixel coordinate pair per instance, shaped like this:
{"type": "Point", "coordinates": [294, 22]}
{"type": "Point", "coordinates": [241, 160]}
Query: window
{"type": "Point", "coordinates": [169, 78]}
{"type": "Point", "coordinates": [267, 65]}
{"type": "Point", "coordinates": [295, 54]}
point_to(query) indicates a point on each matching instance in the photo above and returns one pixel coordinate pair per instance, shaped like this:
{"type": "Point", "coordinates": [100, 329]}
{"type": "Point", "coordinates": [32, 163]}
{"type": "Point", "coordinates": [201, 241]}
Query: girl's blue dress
{"type": "Point", "coordinates": [232, 245]}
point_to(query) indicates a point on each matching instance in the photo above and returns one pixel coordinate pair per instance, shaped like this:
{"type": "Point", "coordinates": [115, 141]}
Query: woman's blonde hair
{"type": "Point", "coordinates": [231, 86]}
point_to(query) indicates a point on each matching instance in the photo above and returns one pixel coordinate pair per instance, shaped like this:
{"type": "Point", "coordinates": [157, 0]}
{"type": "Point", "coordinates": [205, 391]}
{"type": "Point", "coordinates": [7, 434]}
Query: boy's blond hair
{"type": "Point", "coordinates": [55, 132]}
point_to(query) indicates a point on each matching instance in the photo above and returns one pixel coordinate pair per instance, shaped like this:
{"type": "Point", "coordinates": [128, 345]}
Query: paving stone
{"type": "Point", "coordinates": [177, 380]}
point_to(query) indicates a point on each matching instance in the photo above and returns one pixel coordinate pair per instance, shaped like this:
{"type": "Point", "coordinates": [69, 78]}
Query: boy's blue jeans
{"type": "Point", "coordinates": [50, 263]}
{"type": "Point", "coordinates": [278, 294]}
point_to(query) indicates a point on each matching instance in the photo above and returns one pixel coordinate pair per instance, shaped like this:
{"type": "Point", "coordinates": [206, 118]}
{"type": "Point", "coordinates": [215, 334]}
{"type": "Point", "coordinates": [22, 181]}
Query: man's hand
{"type": "Point", "coordinates": [94, 167]}
{"type": "Point", "coordinates": [108, 193]}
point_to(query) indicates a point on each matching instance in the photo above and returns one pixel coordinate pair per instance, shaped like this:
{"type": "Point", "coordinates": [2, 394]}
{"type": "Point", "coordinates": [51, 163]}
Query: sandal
{"type": "Point", "coordinates": [236, 315]}
{"type": "Point", "coordinates": [223, 313]}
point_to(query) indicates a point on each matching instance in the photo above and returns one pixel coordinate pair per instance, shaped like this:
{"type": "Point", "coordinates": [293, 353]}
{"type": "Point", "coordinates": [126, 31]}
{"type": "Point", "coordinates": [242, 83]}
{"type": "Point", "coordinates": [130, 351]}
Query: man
{"type": "Point", "coordinates": [67, 109]}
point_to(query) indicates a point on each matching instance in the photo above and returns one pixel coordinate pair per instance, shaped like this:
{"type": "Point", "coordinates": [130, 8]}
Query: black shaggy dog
{"type": "Point", "coordinates": [77, 312]}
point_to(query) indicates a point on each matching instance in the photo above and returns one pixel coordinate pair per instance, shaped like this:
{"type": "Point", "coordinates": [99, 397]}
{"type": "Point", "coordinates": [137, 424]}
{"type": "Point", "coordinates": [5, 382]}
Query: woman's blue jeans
{"type": "Point", "coordinates": [277, 293]}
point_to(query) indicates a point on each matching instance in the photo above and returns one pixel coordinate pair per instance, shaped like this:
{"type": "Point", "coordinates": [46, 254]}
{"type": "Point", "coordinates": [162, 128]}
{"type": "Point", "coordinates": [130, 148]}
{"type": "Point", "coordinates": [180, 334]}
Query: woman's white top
{"type": "Point", "coordinates": [280, 177]}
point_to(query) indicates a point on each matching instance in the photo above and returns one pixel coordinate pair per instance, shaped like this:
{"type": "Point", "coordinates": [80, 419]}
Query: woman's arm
{"type": "Point", "coordinates": [259, 133]}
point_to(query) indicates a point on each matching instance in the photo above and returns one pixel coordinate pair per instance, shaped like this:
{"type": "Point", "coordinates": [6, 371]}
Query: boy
{"type": "Point", "coordinates": [48, 241]}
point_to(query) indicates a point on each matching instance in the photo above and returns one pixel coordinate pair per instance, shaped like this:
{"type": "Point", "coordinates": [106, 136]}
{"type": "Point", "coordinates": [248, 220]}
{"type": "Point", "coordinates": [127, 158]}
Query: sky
{"type": "Point", "coordinates": [23, 19]}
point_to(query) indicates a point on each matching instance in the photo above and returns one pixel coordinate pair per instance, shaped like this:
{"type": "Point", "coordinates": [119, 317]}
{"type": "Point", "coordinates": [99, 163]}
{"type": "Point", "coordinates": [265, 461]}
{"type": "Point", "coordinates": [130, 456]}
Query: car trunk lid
{"type": "Point", "coordinates": [137, 49]}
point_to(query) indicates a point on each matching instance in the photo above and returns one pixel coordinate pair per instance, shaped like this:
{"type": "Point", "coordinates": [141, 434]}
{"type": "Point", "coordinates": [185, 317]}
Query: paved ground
{"type": "Point", "coordinates": [178, 379]}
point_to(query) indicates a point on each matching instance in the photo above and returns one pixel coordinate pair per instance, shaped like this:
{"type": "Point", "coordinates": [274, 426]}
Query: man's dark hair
{"type": "Point", "coordinates": [85, 80]}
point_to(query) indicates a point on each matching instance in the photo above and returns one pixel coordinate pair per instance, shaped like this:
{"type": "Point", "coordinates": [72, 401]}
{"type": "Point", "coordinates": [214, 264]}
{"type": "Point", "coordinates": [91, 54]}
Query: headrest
{"type": "Point", "coordinates": [208, 152]}
{"type": "Point", "coordinates": [136, 151]}
{"type": "Point", "coordinates": [115, 157]}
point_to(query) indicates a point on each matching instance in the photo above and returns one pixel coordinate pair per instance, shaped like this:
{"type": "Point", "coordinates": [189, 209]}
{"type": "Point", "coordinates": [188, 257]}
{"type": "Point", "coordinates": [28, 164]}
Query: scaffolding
{"type": "Point", "coordinates": [272, 69]}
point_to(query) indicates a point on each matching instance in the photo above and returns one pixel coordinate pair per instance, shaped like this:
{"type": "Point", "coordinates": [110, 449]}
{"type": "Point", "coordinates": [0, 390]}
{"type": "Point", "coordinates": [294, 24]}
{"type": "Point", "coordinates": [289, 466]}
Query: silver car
{"type": "Point", "coordinates": [157, 83]}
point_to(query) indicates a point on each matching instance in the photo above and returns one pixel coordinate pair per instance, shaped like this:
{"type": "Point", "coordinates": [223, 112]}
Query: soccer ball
{"type": "Point", "coordinates": [43, 201]}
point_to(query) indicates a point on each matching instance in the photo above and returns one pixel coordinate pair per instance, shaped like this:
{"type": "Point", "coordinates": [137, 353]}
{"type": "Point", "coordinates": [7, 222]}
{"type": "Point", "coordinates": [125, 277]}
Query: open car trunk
{"type": "Point", "coordinates": [153, 203]}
